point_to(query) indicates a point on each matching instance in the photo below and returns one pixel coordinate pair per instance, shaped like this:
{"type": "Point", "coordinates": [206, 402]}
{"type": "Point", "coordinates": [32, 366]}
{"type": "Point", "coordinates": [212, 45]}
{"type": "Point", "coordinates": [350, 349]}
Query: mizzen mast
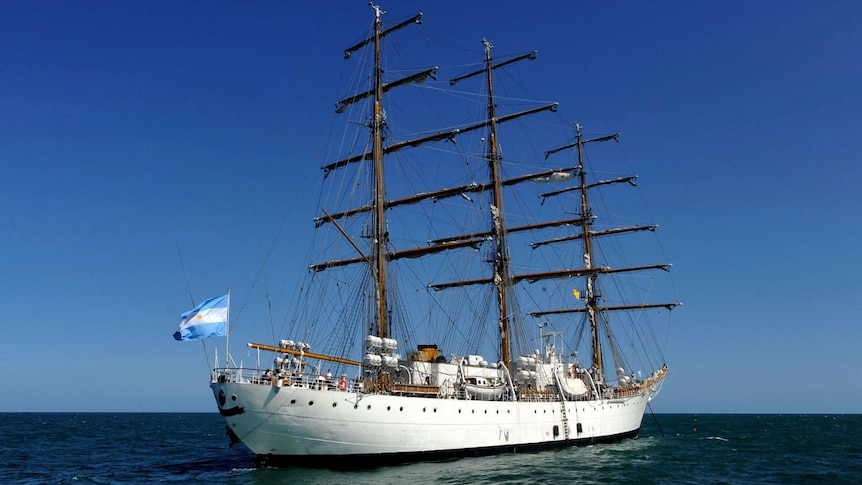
{"type": "Point", "coordinates": [588, 258]}
{"type": "Point", "coordinates": [592, 307]}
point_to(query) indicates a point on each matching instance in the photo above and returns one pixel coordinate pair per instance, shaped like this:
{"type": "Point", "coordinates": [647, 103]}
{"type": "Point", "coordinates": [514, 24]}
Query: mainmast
{"type": "Point", "coordinates": [379, 234]}
{"type": "Point", "coordinates": [501, 259]}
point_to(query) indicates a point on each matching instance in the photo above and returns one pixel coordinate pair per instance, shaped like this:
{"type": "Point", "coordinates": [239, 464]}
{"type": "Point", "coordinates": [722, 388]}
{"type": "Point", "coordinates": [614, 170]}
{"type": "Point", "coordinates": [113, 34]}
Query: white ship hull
{"type": "Point", "coordinates": [300, 425]}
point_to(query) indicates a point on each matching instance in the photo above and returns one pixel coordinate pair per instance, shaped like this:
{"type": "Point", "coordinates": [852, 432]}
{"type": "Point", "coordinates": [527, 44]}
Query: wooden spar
{"type": "Point", "coordinates": [630, 180]}
{"type": "Point", "coordinates": [608, 232]}
{"type": "Point", "coordinates": [336, 263]}
{"type": "Point", "coordinates": [541, 225]}
{"type": "Point", "coordinates": [669, 306]}
{"type": "Point", "coordinates": [362, 255]}
{"type": "Point", "coordinates": [456, 284]}
{"type": "Point", "coordinates": [487, 123]}
{"type": "Point", "coordinates": [577, 221]}
{"type": "Point", "coordinates": [615, 137]}
{"type": "Point", "coordinates": [406, 253]}
{"type": "Point", "coordinates": [441, 194]}
{"type": "Point", "coordinates": [547, 275]}
{"type": "Point", "coordinates": [300, 353]}
{"type": "Point", "coordinates": [532, 176]}
{"type": "Point", "coordinates": [568, 273]}
{"type": "Point", "coordinates": [417, 252]}
{"type": "Point", "coordinates": [530, 55]}
{"type": "Point", "coordinates": [454, 242]}
{"type": "Point", "coordinates": [340, 106]}
{"type": "Point", "coordinates": [435, 137]}
{"type": "Point", "coordinates": [350, 50]}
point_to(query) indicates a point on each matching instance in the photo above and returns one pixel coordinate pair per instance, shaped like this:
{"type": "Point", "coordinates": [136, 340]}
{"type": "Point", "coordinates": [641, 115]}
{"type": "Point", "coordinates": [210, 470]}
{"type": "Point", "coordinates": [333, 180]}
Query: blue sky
{"type": "Point", "coordinates": [130, 128]}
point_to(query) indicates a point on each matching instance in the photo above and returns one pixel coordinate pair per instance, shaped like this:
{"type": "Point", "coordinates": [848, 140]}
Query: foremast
{"type": "Point", "coordinates": [379, 234]}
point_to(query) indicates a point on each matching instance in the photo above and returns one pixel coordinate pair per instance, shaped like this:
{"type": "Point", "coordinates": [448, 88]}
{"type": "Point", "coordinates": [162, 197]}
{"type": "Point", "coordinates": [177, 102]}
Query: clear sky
{"type": "Point", "coordinates": [129, 129]}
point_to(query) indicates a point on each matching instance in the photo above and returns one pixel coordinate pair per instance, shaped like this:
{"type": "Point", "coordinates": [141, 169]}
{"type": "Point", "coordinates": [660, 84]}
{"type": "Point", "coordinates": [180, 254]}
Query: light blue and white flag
{"type": "Point", "coordinates": [209, 319]}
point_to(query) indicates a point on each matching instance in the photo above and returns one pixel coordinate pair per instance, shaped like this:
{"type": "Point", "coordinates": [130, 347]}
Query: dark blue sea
{"type": "Point", "coordinates": [108, 448]}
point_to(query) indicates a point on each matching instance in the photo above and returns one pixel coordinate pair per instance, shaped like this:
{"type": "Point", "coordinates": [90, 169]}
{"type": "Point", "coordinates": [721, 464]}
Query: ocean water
{"type": "Point", "coordinates": [136, 448]}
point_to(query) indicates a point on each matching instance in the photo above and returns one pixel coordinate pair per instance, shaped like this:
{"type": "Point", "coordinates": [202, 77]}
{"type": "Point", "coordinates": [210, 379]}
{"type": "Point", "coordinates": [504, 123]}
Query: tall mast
{"type": "Point", "coordinates": [380, 249]}
{"type": "Point", "coordinates": [501, 260]}
{"type": "Point", "coordinates": [379, 236]}
{"type": "Point", "coordinates": [592, 304]}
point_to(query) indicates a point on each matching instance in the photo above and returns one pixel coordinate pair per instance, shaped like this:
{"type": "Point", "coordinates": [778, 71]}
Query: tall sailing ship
{"type": "Point", "coordinates": [412, 286]}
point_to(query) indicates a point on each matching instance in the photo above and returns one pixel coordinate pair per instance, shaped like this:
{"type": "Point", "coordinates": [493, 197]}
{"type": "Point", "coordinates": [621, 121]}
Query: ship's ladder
{"type": "Point", "coordinates": [565, 419]}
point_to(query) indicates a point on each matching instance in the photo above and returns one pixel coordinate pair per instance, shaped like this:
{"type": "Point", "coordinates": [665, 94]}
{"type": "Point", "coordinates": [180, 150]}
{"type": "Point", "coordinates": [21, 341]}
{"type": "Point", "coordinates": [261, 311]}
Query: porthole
{"type": "Point", "coordinates": [310, 403]}
{"type": "Point", "coordinates": [293, 401]}
{"type": "Point", "coordinates": [388, 408]}
{"type": "Point", "coordinates": [459, 411]}
{"type": "Point", "coordinates": [233, 397]}
{"type": "Point", "coordinates": [355, 406]}
{"type": "Point", "coordinates": [423, 410]}
{"type": "Point", "coordinates": [401, 408]}
{"type": "Point", "coordinates": [334, 404]}
{"type": "Point", "coordinates": [435, 410]}
{"type": "Point", "coordinates": [369, 407]}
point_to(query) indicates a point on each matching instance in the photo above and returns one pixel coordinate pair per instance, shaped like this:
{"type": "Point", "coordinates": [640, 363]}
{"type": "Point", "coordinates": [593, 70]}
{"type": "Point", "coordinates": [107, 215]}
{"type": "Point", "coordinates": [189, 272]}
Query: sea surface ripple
{"type": "Point", "coordinates": [108, 448]}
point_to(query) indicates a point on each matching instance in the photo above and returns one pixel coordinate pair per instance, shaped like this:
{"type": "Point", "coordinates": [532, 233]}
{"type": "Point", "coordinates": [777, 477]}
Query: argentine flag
{"type": "Point", "coordinates": [208, 319]}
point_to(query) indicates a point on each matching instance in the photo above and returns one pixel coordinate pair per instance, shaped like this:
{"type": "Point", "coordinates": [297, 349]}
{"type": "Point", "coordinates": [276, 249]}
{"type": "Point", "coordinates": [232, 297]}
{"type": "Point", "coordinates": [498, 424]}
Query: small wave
{"type": "Point", "coordinates": [220, 463]}
{"type": "Point", "coordinates": [719, 438]}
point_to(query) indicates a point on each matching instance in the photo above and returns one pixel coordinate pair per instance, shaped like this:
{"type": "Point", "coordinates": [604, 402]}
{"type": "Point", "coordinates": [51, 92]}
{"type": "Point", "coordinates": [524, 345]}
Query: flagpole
{"type": "Point", "coordinates": [192, 298]}
{"type": "Point", "coordinates": [227, 334]}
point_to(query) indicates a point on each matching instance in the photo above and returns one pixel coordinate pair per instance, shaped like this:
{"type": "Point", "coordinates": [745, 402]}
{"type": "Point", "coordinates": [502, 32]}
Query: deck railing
{"type": "Point", "coordinates": [309, 380]}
